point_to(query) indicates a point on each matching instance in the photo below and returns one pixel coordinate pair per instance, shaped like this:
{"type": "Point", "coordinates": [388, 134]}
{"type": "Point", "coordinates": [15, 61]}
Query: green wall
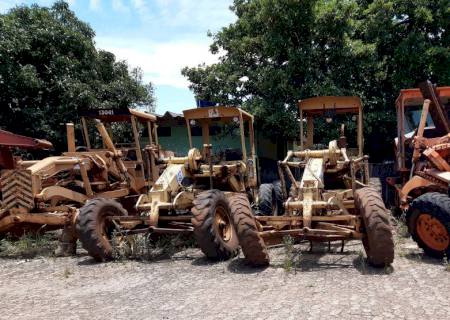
{"type": "Point", "coordinates": [178, 142]}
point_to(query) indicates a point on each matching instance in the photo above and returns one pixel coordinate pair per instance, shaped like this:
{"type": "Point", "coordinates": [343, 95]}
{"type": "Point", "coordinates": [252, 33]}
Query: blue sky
{"type": "Point", "coordinates": [160, 36]}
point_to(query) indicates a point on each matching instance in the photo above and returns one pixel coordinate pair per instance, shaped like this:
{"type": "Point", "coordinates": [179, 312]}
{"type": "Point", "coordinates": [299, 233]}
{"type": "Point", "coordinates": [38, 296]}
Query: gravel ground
{"type": "Point", "coordinates": [323, 284]}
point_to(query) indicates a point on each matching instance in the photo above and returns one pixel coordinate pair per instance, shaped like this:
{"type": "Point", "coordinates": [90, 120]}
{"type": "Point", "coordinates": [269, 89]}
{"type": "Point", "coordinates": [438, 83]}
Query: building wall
{"type": "Point", "coordinates": [178, 141]}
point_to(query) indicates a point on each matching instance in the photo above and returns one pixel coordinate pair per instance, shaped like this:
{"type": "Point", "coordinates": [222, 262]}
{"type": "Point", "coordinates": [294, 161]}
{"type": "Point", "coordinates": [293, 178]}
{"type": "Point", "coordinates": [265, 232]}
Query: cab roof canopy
{"type": "Point", "coordinates": [118, 115]}
{"type": "Point", "coordinates": [222, 112]}
{"type": "Point", "coordinates": [339, 104]}
{"type": "Point", "coordinates": [413, 97]}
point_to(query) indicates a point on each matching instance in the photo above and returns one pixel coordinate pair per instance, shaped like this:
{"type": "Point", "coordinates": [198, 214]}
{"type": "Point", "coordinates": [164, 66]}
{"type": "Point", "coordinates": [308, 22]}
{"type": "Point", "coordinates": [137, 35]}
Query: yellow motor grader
{"type": "Point", "coordinates": [332, 200]}
{"type": "Point", "coordinates": [46, 194]}
{"type": "Point", "coordinates": [196, 193]}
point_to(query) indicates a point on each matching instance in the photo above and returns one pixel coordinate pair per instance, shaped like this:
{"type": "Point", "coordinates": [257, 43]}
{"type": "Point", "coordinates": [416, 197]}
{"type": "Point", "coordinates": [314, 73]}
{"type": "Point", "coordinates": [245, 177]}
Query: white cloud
{"type": "Point", "coordinates": [160, 62]}
{"type": "Point", "coordinates": [119, 6]}
{"type": "Point", "coordinates": [199, 12]}
{"type": "Point", "coordinates": [138, 4]}
{"type": "Point", "coordinates": [94, 4]}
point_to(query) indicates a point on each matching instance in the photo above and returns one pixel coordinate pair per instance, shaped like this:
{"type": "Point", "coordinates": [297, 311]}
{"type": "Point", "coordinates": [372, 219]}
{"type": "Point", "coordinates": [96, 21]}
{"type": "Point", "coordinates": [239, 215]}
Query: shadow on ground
{"type": "Point", "coordinates": [422, 258]}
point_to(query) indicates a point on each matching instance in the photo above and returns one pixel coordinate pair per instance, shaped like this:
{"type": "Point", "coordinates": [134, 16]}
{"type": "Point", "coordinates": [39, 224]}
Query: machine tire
{"type": "Point", "coordinates": [278, 197]}
{"type": "Point", "coordinates": [91, 227]}
{"type": "Point", "coordinates": [213, 226]}
{"type": "Point", "coordinates": [252, 244]}
{"type": "Point", "coordinates": [430, 212]}
{"type": "Point", "coordinates": [378, 241]}
{"type": "Point", "coordinates": [267, 203]}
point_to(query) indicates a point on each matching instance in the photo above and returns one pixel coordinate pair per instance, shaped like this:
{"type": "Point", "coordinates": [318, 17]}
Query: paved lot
{"type": "Point", "coordinates": [324, 285]}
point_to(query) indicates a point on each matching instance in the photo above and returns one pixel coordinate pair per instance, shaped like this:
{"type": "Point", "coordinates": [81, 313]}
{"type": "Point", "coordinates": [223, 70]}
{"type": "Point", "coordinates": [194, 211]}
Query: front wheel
{"type": "Point", "coordinates": [428, 220]}
{"type": "Point", "coordinates": [95, 230]}
{"type": "Point", "coordinates": [213, 227]}
{"type": "Point", "coordinates": [378, 240]}
{"type": "Point", "coordinates": [252, 244]}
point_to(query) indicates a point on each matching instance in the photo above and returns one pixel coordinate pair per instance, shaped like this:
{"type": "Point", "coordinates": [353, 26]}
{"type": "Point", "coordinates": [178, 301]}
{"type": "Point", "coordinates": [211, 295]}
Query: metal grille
{"type": "Point", "coordinates": [16, 187]}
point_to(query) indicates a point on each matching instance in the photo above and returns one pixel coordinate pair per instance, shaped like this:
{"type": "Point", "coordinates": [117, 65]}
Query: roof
{"type": "Point", "coordinates": [340, 104]}
{"type": "Point", "coordinates": [414, 96]}
{"type": "Point", "coordinates": [118, 115]}
{"type": "Point", "coordinates": [216, 112]}
{"type": "Point", "coordinates": [169, 115]}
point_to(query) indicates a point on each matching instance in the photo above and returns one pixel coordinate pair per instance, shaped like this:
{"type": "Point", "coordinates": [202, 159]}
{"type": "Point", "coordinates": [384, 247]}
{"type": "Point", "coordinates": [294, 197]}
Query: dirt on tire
{"type": "Point", "coordinates": [91, 223]}
{"type": "Point", "coordinates": [438, 206]}
{"type": "Point", "coordinates": [378, 241]}
{"type": "Point", "coordinates": [252, 244]}
{"type": "Point", "coordinates": [206, 230]}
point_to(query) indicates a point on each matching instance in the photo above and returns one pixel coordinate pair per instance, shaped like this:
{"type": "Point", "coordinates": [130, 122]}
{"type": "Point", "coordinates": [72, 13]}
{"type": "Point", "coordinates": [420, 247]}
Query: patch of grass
{"type": "Point", "coordinates": [292, 258]}
{"type": "Point", "coordinates": [28, 246]}
{"type": "Point", "coordinates": [400, 236]}
{"type": "Point", "coordinates": [402, 230]}
{"type": "Point", "coordinates": [446, 264]}
{"type": "Point", "coordinates": [361, 262]}
{"type": "Point", "coordinates": [388, 269]}
{"type": "Point", "coordinates": [149, 247]}
{"type": "Point", "coordinates": [67, 272]}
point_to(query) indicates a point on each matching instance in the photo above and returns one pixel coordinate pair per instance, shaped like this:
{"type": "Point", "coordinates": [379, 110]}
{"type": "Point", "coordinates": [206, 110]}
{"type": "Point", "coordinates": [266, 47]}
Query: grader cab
{"type": "Point", "coordinates": [195, 193]}
{"type": "Point", "coordinates": [332, 200]}
{"type": "Point", "coordinates": [45, 194]}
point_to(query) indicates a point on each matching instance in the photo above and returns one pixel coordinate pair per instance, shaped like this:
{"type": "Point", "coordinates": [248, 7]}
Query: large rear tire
{"type": "Point", "coordinates": [213, 226]}
{"type": "Point", "coordinates": [252, 244]}
{"type": "Point", "coordinates": [428, 220]}
{"type": "Point", "coordinates": [378, 240]}
{"type": "Point", "coordinates": [267, 203]}
{"type": "Point", "coordinates": [95, 230]}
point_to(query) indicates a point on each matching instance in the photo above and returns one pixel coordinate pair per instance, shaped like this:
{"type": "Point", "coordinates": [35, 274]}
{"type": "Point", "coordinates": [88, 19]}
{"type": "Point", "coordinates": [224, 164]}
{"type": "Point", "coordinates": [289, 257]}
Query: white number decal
{"type": "Point", "coordinates": [106, 112]}
{"type": "Point", "coordinates": [213, 113]}
{"type": "Point", "coordinates": [180, 176]}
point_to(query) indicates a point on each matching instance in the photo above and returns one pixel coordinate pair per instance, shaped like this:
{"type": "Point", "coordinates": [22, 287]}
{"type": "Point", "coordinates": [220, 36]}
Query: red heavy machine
{"type": "Point", "coordinates": [423, 164]}
{"type": "Point", "coordinates": [10, 141]}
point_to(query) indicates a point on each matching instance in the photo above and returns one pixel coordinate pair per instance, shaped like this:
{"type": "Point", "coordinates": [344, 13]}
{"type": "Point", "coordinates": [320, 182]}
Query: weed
{"type": "Point", "coordinates": [28, 245]}
{"type": "Point", "coordinates": [446, 264]}
{"type": "Point", "coordinates": [402, 230]}
{"type": "Point", "coordinates": [67, 272]}
{"type": "Point", "coordinates": [361, 262]}
{"type": "Point", "coordinates": [292, 259]}
{"type": "Point", "coordinates": [148, 247]}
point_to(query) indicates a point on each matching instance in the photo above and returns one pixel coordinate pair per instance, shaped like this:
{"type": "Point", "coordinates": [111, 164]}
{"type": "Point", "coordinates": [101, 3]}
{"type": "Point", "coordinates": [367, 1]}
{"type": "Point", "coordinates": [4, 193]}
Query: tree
{"type": "Point", "coordinates": [280, 51]}
{"type": "Point", "coordinates": [50, 70]}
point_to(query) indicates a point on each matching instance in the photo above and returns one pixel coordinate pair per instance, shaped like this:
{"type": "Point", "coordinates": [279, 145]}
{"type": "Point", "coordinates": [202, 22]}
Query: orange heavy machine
{"type": "Point", "coordinates": [422, 158]}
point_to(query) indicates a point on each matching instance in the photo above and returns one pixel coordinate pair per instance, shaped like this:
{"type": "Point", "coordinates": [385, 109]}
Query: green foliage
{"type": "Point", "coordinates": [280, 51]}
{"type": "Point", "coordinates": [50, 70]}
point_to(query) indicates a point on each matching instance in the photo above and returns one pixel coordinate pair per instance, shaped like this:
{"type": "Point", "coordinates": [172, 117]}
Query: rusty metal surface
{"type": "Point", "coordinates": [10, 139]}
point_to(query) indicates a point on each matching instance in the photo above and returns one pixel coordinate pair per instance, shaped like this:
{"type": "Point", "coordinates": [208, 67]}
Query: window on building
{"type": "Point", "coordinates": [164, 131]}
{"type": "Point", "coordinates": [196, 131]}
{"type": "Point", "coordinates": [214, 130]}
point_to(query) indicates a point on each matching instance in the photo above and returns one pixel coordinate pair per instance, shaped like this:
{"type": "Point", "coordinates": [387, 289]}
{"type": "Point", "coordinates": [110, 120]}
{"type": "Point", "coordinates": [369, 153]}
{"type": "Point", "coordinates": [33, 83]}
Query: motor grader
{"type": "Point", "coordinates": [332, 200]}
{"type": "Point", "coordinates": [46, 194]}
{"type": "Point", "coordinates": [195, 194]}
{"type": "Point", "coordinates": [422, 149]}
